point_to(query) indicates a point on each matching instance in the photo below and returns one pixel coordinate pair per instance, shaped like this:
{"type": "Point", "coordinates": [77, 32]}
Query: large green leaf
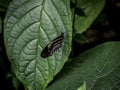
{"type": "Point", "coordinates": [29, 26]}
{"type": "Point", "coordinates": [98, 67]}
{"type": "Point", "coordinates": [91, 8]}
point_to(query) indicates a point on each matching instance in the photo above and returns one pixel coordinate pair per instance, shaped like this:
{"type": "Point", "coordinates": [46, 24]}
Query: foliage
{"type": "Point", "coordinates": [83, 87]}
{"type": "Point", "coordinates": [98, 67]}
{"type": "Point", "coordinates": [30, 25]}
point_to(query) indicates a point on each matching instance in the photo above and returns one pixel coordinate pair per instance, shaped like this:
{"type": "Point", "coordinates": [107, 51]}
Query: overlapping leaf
{"type": "Point", "coordinates": [29, 26]}
{"type": "Point", "coordinates": [91, 10]}
{"type": "Point", "coordinates": [98, 67]}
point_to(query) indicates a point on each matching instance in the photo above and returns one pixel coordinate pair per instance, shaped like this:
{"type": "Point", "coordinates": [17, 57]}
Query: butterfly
{"type": "Point", "coordinates": [53, 46]}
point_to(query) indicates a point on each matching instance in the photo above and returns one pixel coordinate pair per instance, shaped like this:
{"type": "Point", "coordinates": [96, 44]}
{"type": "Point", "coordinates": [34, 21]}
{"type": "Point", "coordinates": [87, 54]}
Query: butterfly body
{"type": "Point", "coordinates": [53, 46]}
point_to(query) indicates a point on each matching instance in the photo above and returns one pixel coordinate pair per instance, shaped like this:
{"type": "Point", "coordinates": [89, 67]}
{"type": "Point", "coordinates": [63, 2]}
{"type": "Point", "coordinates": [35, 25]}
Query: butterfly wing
{"type": "Point", "coordinates": [53, 46]}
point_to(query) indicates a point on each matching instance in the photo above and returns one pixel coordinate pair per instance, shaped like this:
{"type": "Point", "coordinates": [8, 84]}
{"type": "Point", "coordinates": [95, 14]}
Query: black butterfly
{"type": "Point", "coordinates": [53, 46]}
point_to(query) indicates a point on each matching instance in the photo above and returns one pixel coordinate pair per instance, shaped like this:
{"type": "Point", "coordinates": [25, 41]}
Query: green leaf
{"type": "Point", "coordinates": [91, 8]}
{"type": "Point", "coordinates": [98, 67]}
{"type": "Point", "coordinates": [79, 11]}
{"type": "Point", "coordinates": [80, 38]}
{"type": "Point", "coordinates": [16, 83]}
{"type": "Point", "coordinates": [29, 26]}
{"type": "Point", "coordinates": [83, 87]}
